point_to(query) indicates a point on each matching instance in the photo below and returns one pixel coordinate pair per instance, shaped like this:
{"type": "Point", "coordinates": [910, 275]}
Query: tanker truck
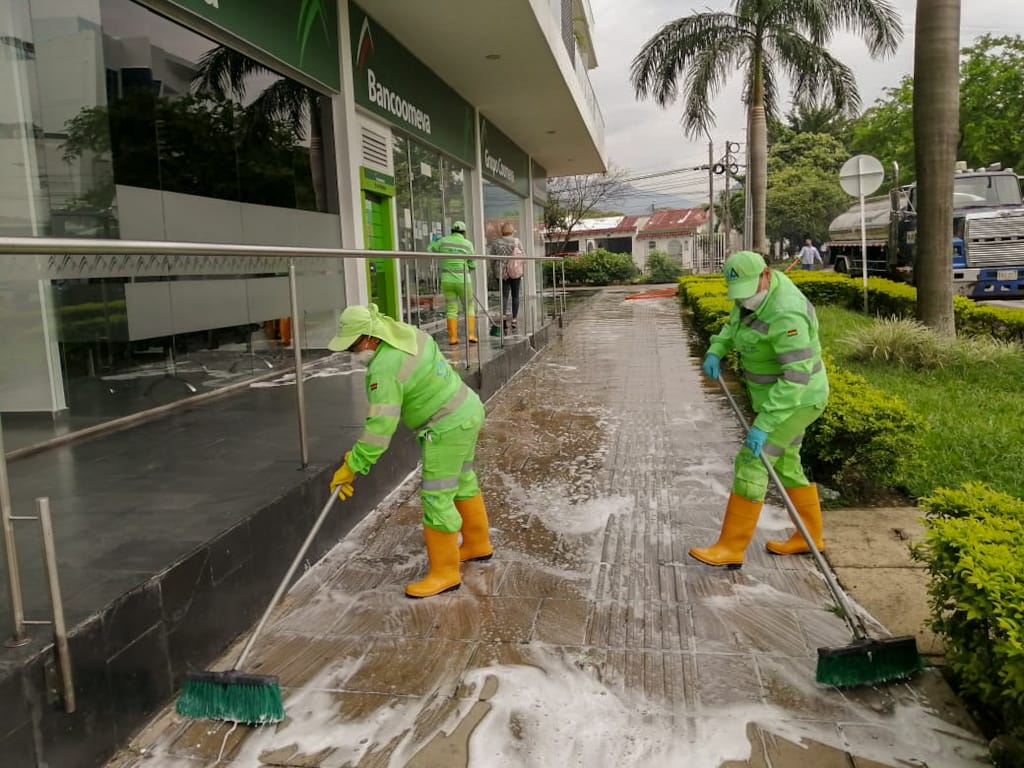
{"type": "Point", "coordinates": [986, 249]}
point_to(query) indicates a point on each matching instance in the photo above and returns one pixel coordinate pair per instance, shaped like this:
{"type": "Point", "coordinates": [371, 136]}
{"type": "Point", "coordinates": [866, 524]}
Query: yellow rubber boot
{"type": "Point", "coordinates": [808, 506]}
{"type": "Point", "coordinates": [453, 330]}
{"type": "Point", "coordinates": [443, 554]}
{"type": "Point", "coordinates": [737, 529]}
{"type": "Point", "coordinates": [471, 325]}
{"type": "Point", "coordinates": [476, 540]}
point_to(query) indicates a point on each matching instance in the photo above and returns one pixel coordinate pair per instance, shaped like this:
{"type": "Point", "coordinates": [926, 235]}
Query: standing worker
{"type": "Point", "coordinates": [457, 280]}
{"type": "Point", "coordinates": [809, 254]}
{"type": "Point", "coordinates": [775, 331]}
{"type": "Point", "coordinates": [407, 377]}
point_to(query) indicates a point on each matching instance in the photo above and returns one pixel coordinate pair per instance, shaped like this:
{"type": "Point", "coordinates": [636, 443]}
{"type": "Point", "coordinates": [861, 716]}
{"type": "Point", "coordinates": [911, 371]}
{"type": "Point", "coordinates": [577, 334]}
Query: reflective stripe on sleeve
{"type": "Point", "coordinates": [385, 409]}
{"type": "Point", "coordinates": [381, 441]}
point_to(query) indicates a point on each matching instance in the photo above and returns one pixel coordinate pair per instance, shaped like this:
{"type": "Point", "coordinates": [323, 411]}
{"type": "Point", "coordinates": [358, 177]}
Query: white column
{"type": "Point", "coordinates": [347, 143]}
{"type": "Point", "coordinates": [476, 212]}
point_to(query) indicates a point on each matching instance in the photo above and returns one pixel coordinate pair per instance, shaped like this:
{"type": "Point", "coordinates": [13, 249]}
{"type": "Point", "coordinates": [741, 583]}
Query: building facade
{"type": "Point", "coordinates": [336, 124]}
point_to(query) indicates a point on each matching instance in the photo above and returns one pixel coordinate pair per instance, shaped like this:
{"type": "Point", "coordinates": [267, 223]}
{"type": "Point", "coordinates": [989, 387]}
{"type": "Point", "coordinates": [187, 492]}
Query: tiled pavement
{"type": "Point", "coordinates": [591, 639]}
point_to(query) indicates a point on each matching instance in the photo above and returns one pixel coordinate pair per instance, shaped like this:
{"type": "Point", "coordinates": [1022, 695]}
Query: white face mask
{"type": "Point", "coordinates": [755, 301]}
{"type": "Point", "coordinates": [363, 357]}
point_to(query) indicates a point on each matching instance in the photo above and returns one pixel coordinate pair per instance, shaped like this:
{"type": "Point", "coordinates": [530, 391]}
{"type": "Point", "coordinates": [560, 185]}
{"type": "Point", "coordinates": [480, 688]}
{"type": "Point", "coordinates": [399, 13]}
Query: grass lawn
{"type": "Point", "coordinates": [975, 410]}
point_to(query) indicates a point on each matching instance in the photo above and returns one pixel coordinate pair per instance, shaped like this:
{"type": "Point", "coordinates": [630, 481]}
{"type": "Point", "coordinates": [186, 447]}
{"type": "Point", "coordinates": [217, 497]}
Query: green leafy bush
{"type": "Point", "coordinates": [974, 550]}
{"type": "Point", "coordinates": [661, 268]}
{"type": "Point", "coordinates": [865, 441]}
{"type": "Point", "coordinates": [598, 267]}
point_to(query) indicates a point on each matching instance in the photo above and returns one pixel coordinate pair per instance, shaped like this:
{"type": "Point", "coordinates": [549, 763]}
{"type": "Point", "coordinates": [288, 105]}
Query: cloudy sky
{"type": "Point", "coordinates": [643, 137]}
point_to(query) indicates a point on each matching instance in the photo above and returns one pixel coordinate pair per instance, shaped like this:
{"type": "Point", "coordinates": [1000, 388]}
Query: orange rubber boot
{"type": "Point", "coordinates": [443, 554]}
{"type": "Point", "coordinates": [476, 540]}
{"type": "Point", "coordinates": [808, 506]}
{"type": "Point", "coordinates": [741, 516]}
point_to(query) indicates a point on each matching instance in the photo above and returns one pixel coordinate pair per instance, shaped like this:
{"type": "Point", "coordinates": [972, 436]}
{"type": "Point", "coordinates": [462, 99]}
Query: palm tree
{"type": "Point", "coordinates": [763, 40]}
{"type": "Point", "coordinates": [224, 73]}
{"type": "Point", "coordinates": [936, 132]}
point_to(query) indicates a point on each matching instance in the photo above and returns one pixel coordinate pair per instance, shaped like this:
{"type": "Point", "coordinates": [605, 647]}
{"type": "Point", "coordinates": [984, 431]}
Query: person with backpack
{"type": "Point", "coordinates": [510, 270]}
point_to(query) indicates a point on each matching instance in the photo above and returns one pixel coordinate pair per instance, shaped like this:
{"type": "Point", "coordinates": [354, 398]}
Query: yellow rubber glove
{"type": "Point", "coordinates": [343, 478]}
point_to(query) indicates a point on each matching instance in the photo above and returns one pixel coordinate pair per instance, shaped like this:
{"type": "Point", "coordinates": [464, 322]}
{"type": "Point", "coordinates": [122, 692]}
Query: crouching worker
{"type": "Point", "coordinates": [408, 378]}
{"type": "Point", "coordinates": [774, 329]}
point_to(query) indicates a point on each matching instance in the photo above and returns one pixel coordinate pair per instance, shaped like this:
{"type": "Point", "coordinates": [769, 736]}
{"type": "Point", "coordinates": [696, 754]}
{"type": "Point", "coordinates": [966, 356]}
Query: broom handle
{"type": "Point", "coordinates": [856, 626]}
{"type": "Point", "coordinates": [283, 586]}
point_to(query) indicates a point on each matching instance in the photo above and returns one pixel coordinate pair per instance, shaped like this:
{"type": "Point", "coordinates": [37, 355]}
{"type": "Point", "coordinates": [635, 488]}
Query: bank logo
{"type": "Point", "coordinates": [365, 44]}
{"type": "Point", "coordinates": [309, 12]}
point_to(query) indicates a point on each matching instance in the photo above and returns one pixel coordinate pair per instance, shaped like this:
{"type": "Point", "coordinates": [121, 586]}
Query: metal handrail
{"type": "Point", "coordinates": [87, 247]}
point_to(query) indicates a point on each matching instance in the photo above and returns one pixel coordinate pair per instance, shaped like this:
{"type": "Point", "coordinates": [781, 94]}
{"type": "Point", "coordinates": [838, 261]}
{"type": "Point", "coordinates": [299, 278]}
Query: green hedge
{"type": "Point", "coordinates": [866, 440]}
{"type": "Point", "coordinates": [974, 547]}
{"type": "Point", "coordinates": [890, 299]}
{"type": "Point", "coordinates": [598, 267]}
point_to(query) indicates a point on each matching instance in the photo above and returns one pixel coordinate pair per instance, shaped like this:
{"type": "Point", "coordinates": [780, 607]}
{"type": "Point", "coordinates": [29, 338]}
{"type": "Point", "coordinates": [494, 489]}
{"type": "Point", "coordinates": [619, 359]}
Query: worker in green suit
{"type": "Point", "coordinates": [409, 380]}
{"type": "Point", "coordinates": [775, 331]}
{"type": "Point", "coordinates": [457, 280]}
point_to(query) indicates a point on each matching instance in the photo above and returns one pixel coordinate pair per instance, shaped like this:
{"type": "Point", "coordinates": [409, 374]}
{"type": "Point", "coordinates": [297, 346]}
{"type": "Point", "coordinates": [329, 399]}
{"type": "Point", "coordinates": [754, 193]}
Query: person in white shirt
{"type": "Point", "coordinates": [809, 254]}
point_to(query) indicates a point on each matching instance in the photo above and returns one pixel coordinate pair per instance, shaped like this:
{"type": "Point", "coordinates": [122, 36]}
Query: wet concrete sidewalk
{"type": "Point", "coordinates": [591, 639]}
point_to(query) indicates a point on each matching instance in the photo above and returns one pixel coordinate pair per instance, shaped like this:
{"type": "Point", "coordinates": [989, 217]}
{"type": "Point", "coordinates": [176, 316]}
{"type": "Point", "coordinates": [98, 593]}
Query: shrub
{"type": "Point", "coordinates": [902, 341]}
{"type": "Point", "coordinates": [661, 268]}
{"type": "Point", "coordinates": [599, 267]}
{"type": "Point", "coordinates": [974, 548]}
{"type": "Point", "coordinates": [866, 440]}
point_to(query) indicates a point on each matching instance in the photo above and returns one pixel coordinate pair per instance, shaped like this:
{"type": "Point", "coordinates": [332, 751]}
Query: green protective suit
{"type": "Point", "coordinates": [456, 273]}
{"type": "Point", "coordinates": [421, 389]}
{"type": "Point", "coordinates": [780, 355]}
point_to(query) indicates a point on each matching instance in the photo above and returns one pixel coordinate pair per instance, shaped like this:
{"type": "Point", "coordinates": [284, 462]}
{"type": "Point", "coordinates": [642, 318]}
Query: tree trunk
{"type": "Point", "coordinates": [936, 128]}
{"type": "Point", "coordinates": [757, 148]}
{"type": "Point", "coordinates": [316, 154]}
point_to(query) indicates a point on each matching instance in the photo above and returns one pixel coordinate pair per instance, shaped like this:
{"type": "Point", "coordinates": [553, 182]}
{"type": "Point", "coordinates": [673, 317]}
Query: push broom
{"type": "Point", "coordinates": [867, 660]}
{"type": "Point", "coordinates": [237, 696]}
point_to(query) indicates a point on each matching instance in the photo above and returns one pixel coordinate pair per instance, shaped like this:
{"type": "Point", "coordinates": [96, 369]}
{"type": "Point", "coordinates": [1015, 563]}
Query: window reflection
{"type": "Point", "coordinates": [430, 195]}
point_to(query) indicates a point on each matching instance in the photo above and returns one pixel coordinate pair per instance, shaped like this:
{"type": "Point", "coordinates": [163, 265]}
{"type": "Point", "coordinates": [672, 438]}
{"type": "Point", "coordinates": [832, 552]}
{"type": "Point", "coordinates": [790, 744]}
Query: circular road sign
{"type": "Point", "coordinates": [861, 175]}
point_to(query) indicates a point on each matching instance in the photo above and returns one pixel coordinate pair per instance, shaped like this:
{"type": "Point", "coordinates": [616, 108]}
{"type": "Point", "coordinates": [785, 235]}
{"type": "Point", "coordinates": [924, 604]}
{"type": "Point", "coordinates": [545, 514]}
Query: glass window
{"type": "Point", "coordinates": [430, 195]}
{"type": "Point", "coordinates": [107, 92]}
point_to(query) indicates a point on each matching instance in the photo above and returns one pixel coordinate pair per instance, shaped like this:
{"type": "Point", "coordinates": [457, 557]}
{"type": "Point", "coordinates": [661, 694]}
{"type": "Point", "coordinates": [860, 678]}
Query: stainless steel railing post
{"type": "Point", "coordinates": [18, 636]}
{"type": "Point", "coordinates": [300, 391]}
{"type": "Point", "coordinates": [60, 633]}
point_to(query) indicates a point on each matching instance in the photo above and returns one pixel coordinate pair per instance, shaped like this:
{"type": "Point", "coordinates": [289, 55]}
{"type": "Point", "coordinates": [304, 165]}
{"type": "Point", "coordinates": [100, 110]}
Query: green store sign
{"type": "Point", "coordinates": [394, 84]}
{"type": "Point", "coordinates": [502, 161]}
{"type": "Point", "coordinates": [300, 33]}
{"type": "Point", "coordinates": [375, 181]}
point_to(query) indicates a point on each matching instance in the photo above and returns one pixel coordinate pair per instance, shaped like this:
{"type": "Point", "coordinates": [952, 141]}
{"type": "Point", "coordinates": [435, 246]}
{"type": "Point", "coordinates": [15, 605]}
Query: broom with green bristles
{"type": "Point", "coordinates": [867, 660]}
{"type": "Point", "coordinates": [236, 696]}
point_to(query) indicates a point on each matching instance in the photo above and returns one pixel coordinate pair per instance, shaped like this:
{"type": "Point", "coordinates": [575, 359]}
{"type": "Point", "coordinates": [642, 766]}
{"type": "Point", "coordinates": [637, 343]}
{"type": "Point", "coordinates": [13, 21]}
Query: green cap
{"type": "Point", "coordinates": [355, 321]}
{"type": "Point", "coordinates": [742, 272]}
{"type": "Point", "coordinates": [359, 320]}
{"type": "Point", "coordinates": [459, 226]}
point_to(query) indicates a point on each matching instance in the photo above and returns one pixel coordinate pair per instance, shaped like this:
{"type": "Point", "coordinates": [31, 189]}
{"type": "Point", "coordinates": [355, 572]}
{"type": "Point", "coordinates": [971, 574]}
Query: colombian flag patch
{"type": "Point", "coordinates": [792, 332]}
{"type": "Point", "coordinates": [373, 386]}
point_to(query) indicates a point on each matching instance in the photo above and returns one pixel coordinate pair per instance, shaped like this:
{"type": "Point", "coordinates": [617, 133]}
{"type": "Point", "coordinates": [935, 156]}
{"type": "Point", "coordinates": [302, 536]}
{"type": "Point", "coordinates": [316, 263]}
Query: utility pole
{"type": "Point", "coordinates": [711, 188]}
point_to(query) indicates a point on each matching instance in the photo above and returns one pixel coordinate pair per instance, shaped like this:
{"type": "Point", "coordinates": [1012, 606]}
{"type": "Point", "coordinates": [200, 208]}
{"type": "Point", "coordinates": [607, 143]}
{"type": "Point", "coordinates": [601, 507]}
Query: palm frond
{"type": "Point", "coordinates": [222, 73]}
{"type": "Point", "coordinates": [877, 21]}
{"type": "Point", "coordinates": [656, 68]}
{"type": "Point", "coordinates": [282, 102]}
{"type": "Point", "coordinates": [811, 18]}
{"type": "Point", "coordinates": [815, 73]}
{"type": "Point", "coordinates": [707, 73]}
{"type": "Point", "coordinates": [771, 89]}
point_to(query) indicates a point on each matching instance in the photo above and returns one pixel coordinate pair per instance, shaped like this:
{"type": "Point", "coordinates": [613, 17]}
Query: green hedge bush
{"type": "Point", "coordinates": [599, 267]}
{"type": "Point", "coordinates": [974, 548]}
